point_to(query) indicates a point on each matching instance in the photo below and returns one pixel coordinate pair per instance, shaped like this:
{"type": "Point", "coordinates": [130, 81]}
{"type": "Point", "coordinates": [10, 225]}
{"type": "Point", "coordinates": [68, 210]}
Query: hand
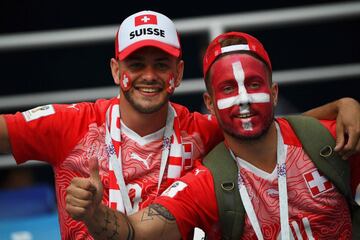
{"type": "Point", "coordinates": [84, 195]}
{"type": "Point", "coordinates": [348, 128]}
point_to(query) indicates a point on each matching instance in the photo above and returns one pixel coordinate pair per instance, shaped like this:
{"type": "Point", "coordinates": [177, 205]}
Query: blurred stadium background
{"type": "Point", "coordinates": [59, 52]}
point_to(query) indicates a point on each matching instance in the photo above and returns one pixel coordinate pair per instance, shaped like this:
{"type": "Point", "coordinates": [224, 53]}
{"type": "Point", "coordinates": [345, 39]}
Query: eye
{"type": "Point", "coordinates": [254, 85]}
{"type": "Point", "coordinates": [162, 66]}
{"type": "Point", "coordinates": [135, 66]}
{"type": "Point", "coordinates": [228, 89]}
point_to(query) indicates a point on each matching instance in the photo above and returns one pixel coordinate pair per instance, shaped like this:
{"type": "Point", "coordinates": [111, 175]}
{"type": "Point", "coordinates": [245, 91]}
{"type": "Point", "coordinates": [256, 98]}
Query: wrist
{"type": "Point", "coordinates": [94, 218]}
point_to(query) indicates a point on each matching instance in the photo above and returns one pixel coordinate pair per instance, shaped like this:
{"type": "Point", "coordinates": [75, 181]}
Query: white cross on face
{"type": "Point", "coordinates": [125, 81]}
{"type": "Point", "coordinates": [145, 19]}
{"type": "Point", "coordinates": [243, 96]}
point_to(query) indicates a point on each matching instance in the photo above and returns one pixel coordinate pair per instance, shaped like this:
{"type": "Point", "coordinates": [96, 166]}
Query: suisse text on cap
{"type": "Point", "coordinates": [147, 31]}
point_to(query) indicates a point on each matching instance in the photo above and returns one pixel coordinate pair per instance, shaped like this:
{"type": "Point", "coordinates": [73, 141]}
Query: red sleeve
{"type": "Point", "coordinates": [192, 201]}
{"type": "Point", "coordinates": [46, 133]}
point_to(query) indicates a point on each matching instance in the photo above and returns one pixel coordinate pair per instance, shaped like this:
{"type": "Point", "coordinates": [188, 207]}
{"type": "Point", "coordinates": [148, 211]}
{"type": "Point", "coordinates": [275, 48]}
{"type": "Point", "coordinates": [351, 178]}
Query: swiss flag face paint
{"type": "Point", "coordinates": [242, 95]}
{"type": "Point", "coordinates": [170, 84]}
{"type": "Point", "coordinates": [125, 81]}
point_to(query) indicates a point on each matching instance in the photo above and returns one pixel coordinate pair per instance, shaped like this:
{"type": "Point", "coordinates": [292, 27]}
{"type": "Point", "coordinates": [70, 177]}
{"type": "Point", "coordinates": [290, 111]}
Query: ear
{"type": "Point", "coordinates": [115, 70]}
{"type": "Point", "coordinates": [180, 72]}
{"type": "Point", "coordinates": [274, 93]}
{"type": "Point", "coordinates": [209, 103]}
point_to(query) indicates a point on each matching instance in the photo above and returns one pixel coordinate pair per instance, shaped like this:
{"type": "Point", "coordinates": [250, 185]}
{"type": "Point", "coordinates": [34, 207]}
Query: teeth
{"type": "Point", "coordinates": [148, 90]}
{"type": "Point", "coordinates": [246, 115]}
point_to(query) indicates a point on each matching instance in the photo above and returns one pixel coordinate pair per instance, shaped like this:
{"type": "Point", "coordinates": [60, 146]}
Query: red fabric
{"type": "Point", "coordinates": [68, 137]}
{"type": "Point", "coordinates": [195, 204]}
{"type": "Point", "coordinates": [145, 19]}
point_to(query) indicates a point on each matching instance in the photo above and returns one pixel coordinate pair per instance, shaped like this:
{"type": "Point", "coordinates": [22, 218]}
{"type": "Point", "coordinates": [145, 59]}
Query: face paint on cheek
{"type": "Point", "coordinates": [125, 82]}
{"type": "Point", "coordinates": [170, 84]}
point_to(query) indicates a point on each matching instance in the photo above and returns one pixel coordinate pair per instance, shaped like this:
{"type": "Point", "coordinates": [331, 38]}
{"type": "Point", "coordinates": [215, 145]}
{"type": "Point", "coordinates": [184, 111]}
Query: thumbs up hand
{"type": "Point", "coordinates": [84, 195]}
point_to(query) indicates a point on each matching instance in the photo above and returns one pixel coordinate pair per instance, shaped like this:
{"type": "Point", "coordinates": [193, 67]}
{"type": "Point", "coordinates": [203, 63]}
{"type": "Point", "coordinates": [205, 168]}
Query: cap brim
{"type": "Point", "coordinates": [149, 43]}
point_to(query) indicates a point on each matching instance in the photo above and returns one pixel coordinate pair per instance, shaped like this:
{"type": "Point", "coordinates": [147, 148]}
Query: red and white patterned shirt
{"type": "Point", "coordinates": [66, 135]}
{"type": "Point", "coordinates": [316, 209]}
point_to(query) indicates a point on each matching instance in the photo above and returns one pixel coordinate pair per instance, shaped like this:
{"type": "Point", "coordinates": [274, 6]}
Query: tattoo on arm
{"type": "Point", "coordinates": [103, 228]}
{"type": "Point", "coordinates": [157, 210]}
{"type": "Point", "coordinates": [109, 226]}
{"type": "Point", "coordinates": [112, 225]}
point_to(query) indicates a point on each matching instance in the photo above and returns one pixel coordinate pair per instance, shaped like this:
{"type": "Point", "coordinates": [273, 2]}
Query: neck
{"type": "Point", "coordinates": [143, 123]}
{"type": "Point", "coordinates": [262, 152]}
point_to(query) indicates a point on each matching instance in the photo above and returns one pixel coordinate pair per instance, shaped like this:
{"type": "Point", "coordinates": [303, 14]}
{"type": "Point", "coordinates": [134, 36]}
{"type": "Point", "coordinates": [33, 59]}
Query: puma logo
{"type": "Point", "coordinates": [73, 106]}
{"type": "Point", "coordinates": [138, 158]}
{"type": "Point", "coordinates": [197, 171]}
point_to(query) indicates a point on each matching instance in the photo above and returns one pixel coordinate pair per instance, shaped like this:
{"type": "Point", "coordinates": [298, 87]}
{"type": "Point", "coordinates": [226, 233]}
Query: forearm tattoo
{"type": "Point", "coordinates": [157, 210]}
{"type": "Point", "coordinates": [109, 228]}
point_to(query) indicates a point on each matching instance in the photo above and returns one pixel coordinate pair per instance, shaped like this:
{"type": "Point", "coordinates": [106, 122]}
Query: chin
{"type": "Point", "coordinates": [248, 135]}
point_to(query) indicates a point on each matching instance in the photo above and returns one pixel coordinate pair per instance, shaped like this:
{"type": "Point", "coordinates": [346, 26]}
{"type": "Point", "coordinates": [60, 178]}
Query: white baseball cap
{"type": "Point", "coordinates": [146, 28]}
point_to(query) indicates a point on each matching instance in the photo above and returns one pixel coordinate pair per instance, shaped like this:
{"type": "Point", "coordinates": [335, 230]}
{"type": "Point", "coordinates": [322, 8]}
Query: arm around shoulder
{"type": "Point", "coordinates": [4, 136]}
{"type": "Point", "coordinates": [346, 111]}
{"type": "Point", "coordinates": [344, 106]}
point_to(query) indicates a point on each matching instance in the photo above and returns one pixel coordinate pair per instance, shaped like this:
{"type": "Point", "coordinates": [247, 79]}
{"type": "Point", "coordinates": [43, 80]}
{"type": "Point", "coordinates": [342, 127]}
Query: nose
{"type": "Point", "coordinates": [149, 73]}
{"type": "Point", "coordinates": [244, 97]}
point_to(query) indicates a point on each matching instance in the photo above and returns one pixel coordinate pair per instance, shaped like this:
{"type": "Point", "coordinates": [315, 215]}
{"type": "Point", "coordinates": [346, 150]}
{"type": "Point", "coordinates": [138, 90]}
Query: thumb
{"type": "Point", "coordinates": [340, 137]}
{"type": "Point", "coordinates": [94, 169]}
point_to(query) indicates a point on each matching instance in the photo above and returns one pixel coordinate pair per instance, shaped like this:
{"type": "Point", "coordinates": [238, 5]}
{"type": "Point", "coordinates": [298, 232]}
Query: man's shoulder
{"type": "Point", "coordinates": [180, 109]}
{"type": "Point", "coordinates": [199, 173]}
{"type": "Point", "coordinates": [289, 135]}
{"type": "Point", "coordinates": [184, 114]}
{"type": "Point", "coordinates": [91, 110]}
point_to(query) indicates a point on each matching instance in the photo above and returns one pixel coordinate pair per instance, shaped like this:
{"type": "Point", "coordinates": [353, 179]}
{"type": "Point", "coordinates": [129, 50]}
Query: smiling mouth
{"type": "Point", "coordinates": [148, 89]}
{"type": "Point", "coordinates": [244, 115]}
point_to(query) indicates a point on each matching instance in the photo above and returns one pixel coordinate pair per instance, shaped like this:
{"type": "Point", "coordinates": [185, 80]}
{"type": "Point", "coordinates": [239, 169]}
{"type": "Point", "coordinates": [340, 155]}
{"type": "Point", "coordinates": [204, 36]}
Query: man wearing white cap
{"type": "Point", "coordinates": [143, 142]}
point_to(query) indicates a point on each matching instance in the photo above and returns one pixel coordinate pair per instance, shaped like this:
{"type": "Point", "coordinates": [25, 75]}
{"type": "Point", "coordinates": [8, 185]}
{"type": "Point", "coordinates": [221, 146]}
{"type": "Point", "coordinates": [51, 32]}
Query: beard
{"type": "Point", "coordinates": [144, 109]}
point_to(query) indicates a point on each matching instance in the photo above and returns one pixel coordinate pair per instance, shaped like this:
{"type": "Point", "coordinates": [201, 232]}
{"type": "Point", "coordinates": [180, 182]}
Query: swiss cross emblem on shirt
{"type": "Point", "coordinates": [145, 19]}
{"type": "Point", "coordinates": [317, 182]}
{"type": "Point", "coordinates": [187, 155]}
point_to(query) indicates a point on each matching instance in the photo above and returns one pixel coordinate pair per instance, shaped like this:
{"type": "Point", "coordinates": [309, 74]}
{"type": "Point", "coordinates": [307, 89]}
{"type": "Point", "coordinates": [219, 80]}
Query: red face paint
{"type": "Point", "coordinates": [170, 84]}
{"type": "Point", "coordinates": [125, 81]}
{"type": "Point", "coordinates": [242, 95]}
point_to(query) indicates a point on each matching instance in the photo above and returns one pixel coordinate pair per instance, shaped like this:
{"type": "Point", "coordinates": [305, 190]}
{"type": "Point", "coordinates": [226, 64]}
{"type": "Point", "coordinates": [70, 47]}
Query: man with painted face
{"type": "Point", "coordinates": [242, 96]}
{"type": "Point", "coordinates": [283, 193]}
{"type": "Point", "coordinates": [143, 142]}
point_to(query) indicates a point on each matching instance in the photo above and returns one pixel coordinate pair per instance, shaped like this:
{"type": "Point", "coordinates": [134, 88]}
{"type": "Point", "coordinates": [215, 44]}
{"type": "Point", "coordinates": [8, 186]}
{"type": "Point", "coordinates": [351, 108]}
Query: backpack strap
{"type": "Point", "coordinates": [318, 143]}
{"type": "Point", "coordinates": [225, 174]}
